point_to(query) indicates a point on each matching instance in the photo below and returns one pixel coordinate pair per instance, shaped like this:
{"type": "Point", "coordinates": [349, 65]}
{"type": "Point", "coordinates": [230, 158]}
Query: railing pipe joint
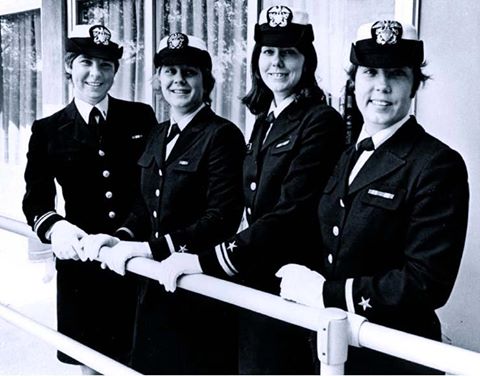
{"type": "Point", "coordinates": [332, 341]}
{"type": "Point", "coordinates": [354, 323]}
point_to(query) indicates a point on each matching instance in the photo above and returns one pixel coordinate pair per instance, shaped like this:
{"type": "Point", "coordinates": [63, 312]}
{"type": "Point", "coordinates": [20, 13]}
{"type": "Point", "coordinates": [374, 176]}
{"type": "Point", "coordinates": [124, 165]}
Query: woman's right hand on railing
{"type": "Point", "coordinates": [175, 266]}
{"type": "Point", "coordinates": [91, 245]}
{"type": "Point", "coordinates": [115, 258]}
{"type": "Point", "coordinates": [65, 238]}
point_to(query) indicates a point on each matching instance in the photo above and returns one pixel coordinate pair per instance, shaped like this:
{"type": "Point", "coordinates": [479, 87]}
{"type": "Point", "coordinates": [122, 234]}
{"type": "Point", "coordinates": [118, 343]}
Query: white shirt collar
{"type": "Point", "coordinates": [85, 108]}
{"type": "Point", "coordinates": [277, 109]}
{"type": "Point", "coordinates": [381, 136]}
{"type": "Point", "coordinates": [183, 121]}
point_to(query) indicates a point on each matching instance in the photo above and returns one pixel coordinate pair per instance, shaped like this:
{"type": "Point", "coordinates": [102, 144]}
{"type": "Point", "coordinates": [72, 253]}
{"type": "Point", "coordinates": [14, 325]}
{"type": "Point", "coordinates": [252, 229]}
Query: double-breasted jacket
{"type": "Point", "coordinates": [283, 176]}
{"type": "Point", "coordinates": [190, 200]}
{"type": "Point", "coordinates": [97, 171]}
{"type": "Point", "coordinates": [392, 241]}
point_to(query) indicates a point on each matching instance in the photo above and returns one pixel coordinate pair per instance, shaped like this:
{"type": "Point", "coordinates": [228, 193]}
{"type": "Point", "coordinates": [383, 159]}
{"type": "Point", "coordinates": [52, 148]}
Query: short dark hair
{"type": "Point", "coordinates": [208, 84]}
{"type": "Point", "coordinates": [207, 79]}
{"type": "Point", "coordinates": [418, 76]}
{"type": "Point", "coordinates": [70, 56]}
{"type": "Point", "coordinates": [259, 97]}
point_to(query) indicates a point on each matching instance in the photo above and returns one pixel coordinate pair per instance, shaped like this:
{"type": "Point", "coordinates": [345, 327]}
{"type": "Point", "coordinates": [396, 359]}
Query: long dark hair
{"type": "Point", "coordinates": [260, 96]}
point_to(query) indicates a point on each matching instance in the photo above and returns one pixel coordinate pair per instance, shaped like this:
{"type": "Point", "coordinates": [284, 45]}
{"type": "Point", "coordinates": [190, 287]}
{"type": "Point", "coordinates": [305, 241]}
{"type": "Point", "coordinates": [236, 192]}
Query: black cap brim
{"type": "Point", "coordinates": [368, 53]}
{"type": "Point", "coordinates": [184, 56]}
{"type": "Point", "coordinates": [288, 36]}
{"type": "Point", "coordinates": [85, 46]}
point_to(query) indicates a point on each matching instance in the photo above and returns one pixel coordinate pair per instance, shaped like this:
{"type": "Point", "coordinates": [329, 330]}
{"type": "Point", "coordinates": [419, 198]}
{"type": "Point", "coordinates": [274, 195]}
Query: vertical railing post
{"type": "Point", "coordinates": [332, 341]}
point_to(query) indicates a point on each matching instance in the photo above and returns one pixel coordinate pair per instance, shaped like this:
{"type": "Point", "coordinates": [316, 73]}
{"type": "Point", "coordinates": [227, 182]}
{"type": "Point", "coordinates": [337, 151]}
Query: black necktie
{"type": "Point", "coordinates": [267, 124]}
{"type": "Point", "coordinates": [364, 145]}
{"type": "Point", "coordinates": [94, 115]}
{"type": "Point", "coordinates": [174, 130]}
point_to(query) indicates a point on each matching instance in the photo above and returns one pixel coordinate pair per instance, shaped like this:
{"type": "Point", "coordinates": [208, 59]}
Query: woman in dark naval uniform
{"type": "Point", "coordinates": [90, 148]}
{"type": "Point", "coordinates": [295, 143]}
{"type": "Point", "coordinates": [393, 216]}
{"type": "Point", "coordinates": [191, 198]}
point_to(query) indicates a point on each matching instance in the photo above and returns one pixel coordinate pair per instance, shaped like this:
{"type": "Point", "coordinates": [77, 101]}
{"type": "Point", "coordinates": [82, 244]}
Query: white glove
{"type": "Point", "coordinates": [65, 238]}
{"type": "Point", "coordinates": [174, 266]}
{"type": "Point", "coordinates": [91, 245]}
{"type": "Point", "coordinates": [301, 285]}
{"type": "Point", "coordinates": [116, 257]}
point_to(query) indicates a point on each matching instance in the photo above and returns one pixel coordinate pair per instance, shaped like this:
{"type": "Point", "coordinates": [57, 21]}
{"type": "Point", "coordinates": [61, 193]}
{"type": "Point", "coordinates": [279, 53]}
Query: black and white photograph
{"type": "Point", "coordinates": [239, 187]}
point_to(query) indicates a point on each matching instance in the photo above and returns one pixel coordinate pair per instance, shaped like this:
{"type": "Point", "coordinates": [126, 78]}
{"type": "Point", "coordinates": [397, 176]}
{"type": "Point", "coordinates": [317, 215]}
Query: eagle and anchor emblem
{"type": "Point", "coordinates": [279, 16]}
{"type": "Point", "coordinates": [100, 35]}
{"type": "Point", "coordinates": [387, 32]}
{"type": "Point", "coordinates": [177, 41]}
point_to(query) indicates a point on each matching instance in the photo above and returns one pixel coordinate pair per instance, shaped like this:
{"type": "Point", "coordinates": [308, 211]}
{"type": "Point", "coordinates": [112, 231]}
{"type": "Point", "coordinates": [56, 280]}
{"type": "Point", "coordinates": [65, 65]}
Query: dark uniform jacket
{"type": "Point", "coordinates": [99, 177]}
{"type": "Point", "coordinates": [396, 234]}
{"type": "Point", "coordinates": [282, 181]}
{"type": "Point", "coordinates": [195, 199]}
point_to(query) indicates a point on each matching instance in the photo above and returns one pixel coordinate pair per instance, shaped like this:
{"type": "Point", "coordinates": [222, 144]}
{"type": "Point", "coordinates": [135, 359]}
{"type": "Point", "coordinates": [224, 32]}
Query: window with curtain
{"type": "Point", "coordinates": [222, 24]}
{"type": "Point", "coordinates": [20, 91]}
{"type": "Point", "coordinates": [20, 101]}
{"type": "Point", "coordinates": [125, 18]}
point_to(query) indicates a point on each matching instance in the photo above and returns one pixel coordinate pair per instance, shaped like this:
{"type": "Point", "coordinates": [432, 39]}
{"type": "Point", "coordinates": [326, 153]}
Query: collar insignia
{"type": "Point", "coordinates": [177, 41]}
{"type": "Point", "coordinates": [279, 15]}
{"type": "Point", "coordinates": [100, 35]}
{"type": "Point", "coordinates": [387, 32]}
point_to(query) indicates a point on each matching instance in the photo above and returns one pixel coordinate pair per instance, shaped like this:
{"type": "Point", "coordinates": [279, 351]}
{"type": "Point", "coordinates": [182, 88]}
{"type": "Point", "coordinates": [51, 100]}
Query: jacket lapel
{"type": "Point", "coordinates": [388, 157]}
{"type": "Point", "coordinates": [157, 145]}
{"type": "Point", "coordinates": [190, 134]}
{"type": "Point", "coordinates": [344, 172]}
{"type": "Point", "coordinates": [283, 125]}
{"type": "Point", "coordinates": [73, 124]}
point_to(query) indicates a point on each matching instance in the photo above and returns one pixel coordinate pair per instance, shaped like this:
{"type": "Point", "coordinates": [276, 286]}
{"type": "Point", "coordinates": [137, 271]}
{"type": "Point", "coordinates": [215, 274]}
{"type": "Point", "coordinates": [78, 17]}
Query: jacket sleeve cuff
{"type": "Point", "coordinates": [334, 294]}
{"type": "Point", "coordinates": [44, 223]}
{"type": "Point", "coordinates": [160, 249]}
{"type": "Point", "coordinates": [349, 295]}
{"type": "Point", "coordinates": [215, 262]}
{"type": "Point", "coordinates": [124, 233]}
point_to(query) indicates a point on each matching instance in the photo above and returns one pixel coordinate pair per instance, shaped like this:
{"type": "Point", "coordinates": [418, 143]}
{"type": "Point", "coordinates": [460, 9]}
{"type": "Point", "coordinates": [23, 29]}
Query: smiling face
{"type": "Point", "coordinates": [383, 95]}
{"type": "Point", "coordinates": [280, 69]}
{"type": "Point", "coordinates": [92, 78]}
{"type": "Point", "coordinates": [182, 87]}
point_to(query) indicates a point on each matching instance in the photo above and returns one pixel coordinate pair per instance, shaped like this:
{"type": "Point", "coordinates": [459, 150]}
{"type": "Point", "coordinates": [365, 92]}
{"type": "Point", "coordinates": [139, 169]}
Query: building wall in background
{"type": "Point", "coordinates": [449, 108]}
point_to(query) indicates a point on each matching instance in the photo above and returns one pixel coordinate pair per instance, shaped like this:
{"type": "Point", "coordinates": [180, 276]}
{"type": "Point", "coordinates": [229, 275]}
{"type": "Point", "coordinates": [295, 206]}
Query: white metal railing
{"type": "Point", "coordinates": [336, 329]}
{"type": "Point", "coordinates": [82, 353]}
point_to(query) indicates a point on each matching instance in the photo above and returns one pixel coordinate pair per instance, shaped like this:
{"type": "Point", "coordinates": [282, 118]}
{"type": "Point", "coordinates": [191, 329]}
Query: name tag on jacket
{"type": "Point", "coordinates": [283, 143]}
{"type": "Point", "coordinates": [386, 195]}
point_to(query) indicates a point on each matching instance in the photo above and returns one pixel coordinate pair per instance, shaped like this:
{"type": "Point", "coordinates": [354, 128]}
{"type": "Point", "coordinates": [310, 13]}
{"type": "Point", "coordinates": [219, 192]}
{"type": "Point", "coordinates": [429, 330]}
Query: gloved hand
{"type": "Point", "coordinates": [301, 285]}
{"type": "Point", "coordinates": [91, 245]}
{"type": "Point", "coordinates": [175, 266]}
{"type": "Point", "coordinates": [116, 257]}
{"type": "Point", "coordinates": [65, 238]}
